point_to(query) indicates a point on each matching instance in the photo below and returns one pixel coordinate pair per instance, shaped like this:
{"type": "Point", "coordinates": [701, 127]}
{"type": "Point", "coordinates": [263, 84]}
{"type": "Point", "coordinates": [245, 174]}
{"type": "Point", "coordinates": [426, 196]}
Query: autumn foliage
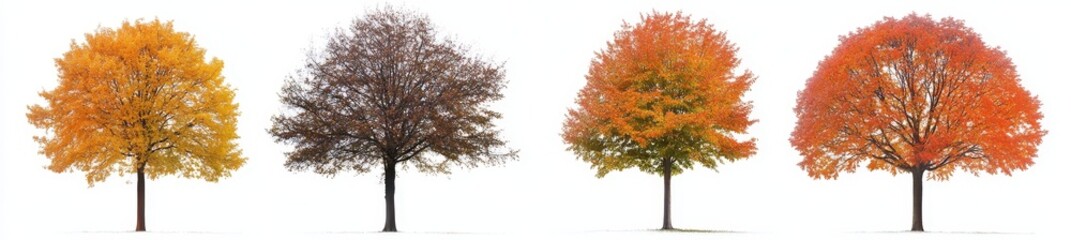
{"type": "Point", "coordinates": [912, 95]}
{"type": "Point", "coordinates": [662, 97]}
{"type": "Point", "coordinates": [139, 99]}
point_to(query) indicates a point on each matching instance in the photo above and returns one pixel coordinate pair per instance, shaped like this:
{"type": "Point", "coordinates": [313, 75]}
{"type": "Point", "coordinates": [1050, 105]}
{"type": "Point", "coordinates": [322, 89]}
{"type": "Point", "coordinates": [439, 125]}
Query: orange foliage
{"type": "Point", "coordinates": [662, 89]}
{"type": "Point", "coordinates": [916, 94]}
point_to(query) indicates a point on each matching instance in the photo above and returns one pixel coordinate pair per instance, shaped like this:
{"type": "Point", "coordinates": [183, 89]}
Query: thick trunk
{"type": "Point", "coordinates": [141, 200]}
{"type": "Point", "coordinates": [667, 173]}
{"type": "Point", "coordinates": [916, 199]}
{"type": "Point", "coordinates": [388, 178]}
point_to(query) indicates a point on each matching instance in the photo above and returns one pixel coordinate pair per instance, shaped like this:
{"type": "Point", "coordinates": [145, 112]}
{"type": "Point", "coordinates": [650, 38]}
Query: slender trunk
{"type": "Point", "coordinates": [388, 178]}
{"type": "Point", "coordinates": [141, 200]}
{"type": "Point", "coordinates": [916, 199]}
{"type": "Point", "coordinates": [667, 173]}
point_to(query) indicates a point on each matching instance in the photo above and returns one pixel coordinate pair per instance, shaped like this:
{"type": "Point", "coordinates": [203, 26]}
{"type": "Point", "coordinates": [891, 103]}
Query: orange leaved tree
{"type": "Point", "coordinates": [662, 97]}
{"type": "Point", "coordinates": [139, 99]}
{"type": "Point", "coordinates": [913, 95]}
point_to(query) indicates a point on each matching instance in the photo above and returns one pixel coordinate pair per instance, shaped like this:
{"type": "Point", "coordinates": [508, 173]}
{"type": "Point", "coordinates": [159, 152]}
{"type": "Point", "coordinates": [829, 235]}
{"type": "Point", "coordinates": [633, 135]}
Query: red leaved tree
{"type": "Point", "coordinates": [913, 95]}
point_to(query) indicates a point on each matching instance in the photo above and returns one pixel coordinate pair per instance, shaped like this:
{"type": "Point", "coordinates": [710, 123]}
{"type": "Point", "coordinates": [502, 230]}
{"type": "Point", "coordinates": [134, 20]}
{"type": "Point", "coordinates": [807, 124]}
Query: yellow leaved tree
{"type": "Point", "coordinates": [139, 99]}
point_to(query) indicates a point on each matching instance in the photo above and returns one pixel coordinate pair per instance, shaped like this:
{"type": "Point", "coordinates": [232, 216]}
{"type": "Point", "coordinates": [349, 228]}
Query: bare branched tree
{"type": "Point", "coordinates": [388, 92]}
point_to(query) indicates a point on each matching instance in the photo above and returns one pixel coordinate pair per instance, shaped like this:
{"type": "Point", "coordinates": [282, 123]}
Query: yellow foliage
{"type": "Point", "coordinates": [140, 96]}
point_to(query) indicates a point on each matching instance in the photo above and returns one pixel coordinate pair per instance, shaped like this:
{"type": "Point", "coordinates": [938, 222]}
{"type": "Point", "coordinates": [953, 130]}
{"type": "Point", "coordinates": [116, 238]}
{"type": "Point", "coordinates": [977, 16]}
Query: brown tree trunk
{"type": "Point", "coordinates": [916, 199]}
{"type": "Point", "coordinates": [141, 200]}
{"type": "Point", "coordinates": [667, 173]}
{"type": "Point", "coordinates": [388, 178]}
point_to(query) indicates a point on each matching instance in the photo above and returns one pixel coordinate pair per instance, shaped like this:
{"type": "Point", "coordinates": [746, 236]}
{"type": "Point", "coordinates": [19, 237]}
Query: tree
{"type": "Point", "coordinates": [388, 92]}
{"type": "Point", "coordinates": [662, 97]}
{"type": "Point", "coordinates": [913, 95]}
{"type": "Point", "coordinates": [139, 99]}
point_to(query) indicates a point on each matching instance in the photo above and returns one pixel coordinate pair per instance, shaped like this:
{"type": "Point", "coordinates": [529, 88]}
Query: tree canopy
{"type": "Point", "coordinates": [663, 88]}
{"type": "Point", "coordinates": [914, 93]}
{"type": "Point", "coordinates": [141, 96]}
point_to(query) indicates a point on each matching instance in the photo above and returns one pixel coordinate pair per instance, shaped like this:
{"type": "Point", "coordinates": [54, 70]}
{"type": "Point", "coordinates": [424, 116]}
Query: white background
{"type": "Point", "coordinates": [547, 47]}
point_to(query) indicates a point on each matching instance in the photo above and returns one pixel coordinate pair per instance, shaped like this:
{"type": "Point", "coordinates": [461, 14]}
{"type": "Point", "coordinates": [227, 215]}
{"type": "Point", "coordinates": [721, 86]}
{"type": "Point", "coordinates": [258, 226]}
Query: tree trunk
{"type": "Point", "coordinates": [141, 200]}
{"type": "Point", "coordinates": [916, 199]}
{"type": "Point", "coordinates": [388, 178]}
{"type": "Point", "coordinates": [667, 173]}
